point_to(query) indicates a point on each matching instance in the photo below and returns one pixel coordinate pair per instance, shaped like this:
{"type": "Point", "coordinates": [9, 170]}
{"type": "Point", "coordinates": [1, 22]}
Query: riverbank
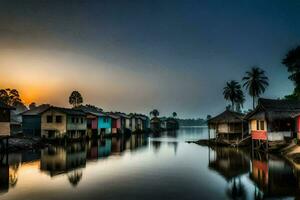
{"type": "Point", "coordinates": [16, 144]}
{"type": "Point", "coordinates": [223, 142]}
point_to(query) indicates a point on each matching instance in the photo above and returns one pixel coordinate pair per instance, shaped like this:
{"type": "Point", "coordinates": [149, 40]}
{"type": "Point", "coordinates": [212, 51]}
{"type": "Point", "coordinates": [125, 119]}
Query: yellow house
{"type": "Point", "coordinates": [59, 122]}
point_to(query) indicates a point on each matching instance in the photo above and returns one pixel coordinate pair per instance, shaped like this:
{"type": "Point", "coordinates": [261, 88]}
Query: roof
{"type": "Point", "coordinates": [124, 115]}
{"type": "Point", "coordinates": [5, 106]}
{"type": "Point", "coordinates": [140, 116]}
{"type": "Point", "coordinates": [37, 111]}
{"type": "Point", "coordinates": [275, 109]}
{"type": "Point", "coordinates": [155, 120]}
{"type": "Point", "coordinates": [227, 116]}
{"type": "Point", "coordinates": [67, 111]}
{"type": "Point", "coordinates": [91, 110]}
{"type": "Point", "coordinates": [114, 116]}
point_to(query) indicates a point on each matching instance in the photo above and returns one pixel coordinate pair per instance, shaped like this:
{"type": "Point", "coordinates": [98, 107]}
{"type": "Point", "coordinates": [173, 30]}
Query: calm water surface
{"type": "Point", "coordinates": [142, 167]}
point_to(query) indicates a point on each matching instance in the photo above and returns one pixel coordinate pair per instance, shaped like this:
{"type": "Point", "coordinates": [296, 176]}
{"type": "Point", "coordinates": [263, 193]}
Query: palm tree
{"type": "Point", "coordinates": [240, 100]}
{"type": "Point", "coordinates": [255, 82]}
{"type": "Point", "coordinates": [233, 93]}
{"type": "Point", "coordinates": [154, 113]}
{"type": "Point", "coordinates": [75, 99]}
{"type": "Point", "coordinates": [174, 114]}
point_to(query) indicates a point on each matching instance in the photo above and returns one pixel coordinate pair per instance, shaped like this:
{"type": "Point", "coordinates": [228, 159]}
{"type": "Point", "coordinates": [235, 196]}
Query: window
{"type": "Point", "coordinates": [49, 119]}
{"type": "Point", "coordinates": [81, 120]}
{"type": "Point", "coordinates": [73, 120]}
{"type": "Point", "coordinates": [77, 120]}
{"type": "Point", "coordinates": [58, 119]}
{"type": "Point", "coordinates": [260, 125]}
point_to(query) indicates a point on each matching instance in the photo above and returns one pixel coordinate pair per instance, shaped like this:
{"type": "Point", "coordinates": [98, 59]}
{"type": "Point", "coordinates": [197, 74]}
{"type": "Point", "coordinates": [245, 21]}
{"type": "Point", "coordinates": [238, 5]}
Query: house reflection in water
{"type": "Point", "coordinates": [9, 166]}
{"type": "Point", "coordinates": [274, 177]}
{"type": "Point", "coordinates": [231, 164]}
{"type": "Point", "coordinates": [56, 160]}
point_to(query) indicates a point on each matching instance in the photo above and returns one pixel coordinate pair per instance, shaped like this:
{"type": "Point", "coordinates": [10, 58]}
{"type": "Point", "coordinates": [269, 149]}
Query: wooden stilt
{"type": "Point", "coordinates": [252, 150]}
{"type": "Point", "coordinates": [208, 133]}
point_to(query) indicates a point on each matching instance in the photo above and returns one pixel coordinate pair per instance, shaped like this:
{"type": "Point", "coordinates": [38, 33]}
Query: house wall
{"type": "Point", "coordinates": [139, 124]}
{"type": "Point", "coordinates": [31, 125]}
{"type": "Point", "coordinates": [59, 128]}
{"type": "Point", "coordinates": [95, 123]}
{"type": "Point", "coordinates": [104, 122]}
{"type": "Point", "coordinates": [4, 128]}
{"type": "Point", "coordinates": [127, 123]}
{"type": "Point", "coordinates": [77, 125]}
{"type": "Point", "coordinates": [133, 124]}
{"type": "Point", "coordinates": [278, 136]}
{"type": "Point", "coordinates": [222, 128]}
{"type": "Point", "coordinates": [118, 123]}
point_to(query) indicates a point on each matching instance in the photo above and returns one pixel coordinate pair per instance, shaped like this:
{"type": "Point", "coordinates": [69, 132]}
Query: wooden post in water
{"type": "Point", "coordinates": [242, 129]}
{"type": "Point", "coordinates": [208, 133]}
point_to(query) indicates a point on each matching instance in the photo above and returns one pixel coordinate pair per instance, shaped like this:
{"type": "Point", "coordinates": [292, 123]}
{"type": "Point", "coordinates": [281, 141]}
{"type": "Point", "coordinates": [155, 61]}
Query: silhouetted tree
{"type": "Point", "coordinates": [208, 117]}
{"type": "Point", "coordinates": [32, 105]}
{"type": "Point", "coordinates": [174, 114]}
{"type": "Point", "coordinates": [10, 97]}
{"type": "Point", "coordinates": [233, 93]}
{"type": "Point", "coordinates": [292, 62]}
{"type": "Point", "coordinates": [239, 101]}
{"type": "Point", "coordinates": [255, 82]}
{"type": "Point", "coordinates": [154, 113]}
{"type": "Point", "coordinates": [75, 99]}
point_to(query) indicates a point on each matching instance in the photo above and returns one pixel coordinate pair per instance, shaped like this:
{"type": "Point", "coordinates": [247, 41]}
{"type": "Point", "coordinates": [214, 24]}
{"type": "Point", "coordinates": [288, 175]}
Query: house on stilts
{"type": "Point", "coordinates": [228, 125]}
{"type": "Point", "coordinates": [273, 122]}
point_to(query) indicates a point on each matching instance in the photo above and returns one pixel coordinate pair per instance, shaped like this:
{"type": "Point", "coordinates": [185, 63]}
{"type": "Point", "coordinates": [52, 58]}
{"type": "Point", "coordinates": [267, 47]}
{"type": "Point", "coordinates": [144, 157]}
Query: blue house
{"type": "Point", "coordinates": [104, 123]}
{"type": "Point", "coordinates": [31, 121]}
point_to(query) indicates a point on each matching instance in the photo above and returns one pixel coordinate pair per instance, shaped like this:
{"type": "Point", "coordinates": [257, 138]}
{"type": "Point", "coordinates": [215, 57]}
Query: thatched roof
{"type": "Point", "coordinates": [227, 117]}
{"type": "Point", "coordinates": [275, 109]}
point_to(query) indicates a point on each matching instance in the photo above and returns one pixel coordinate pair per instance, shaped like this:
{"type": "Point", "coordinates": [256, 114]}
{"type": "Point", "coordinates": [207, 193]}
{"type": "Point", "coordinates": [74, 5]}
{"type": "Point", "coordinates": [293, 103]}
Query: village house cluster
{"type": "Point", "coordinates": [271, 124]}
{"type": "Point", "coordinates": [48, 121]}
{"type": "Point", "coordinates": [51, 122]}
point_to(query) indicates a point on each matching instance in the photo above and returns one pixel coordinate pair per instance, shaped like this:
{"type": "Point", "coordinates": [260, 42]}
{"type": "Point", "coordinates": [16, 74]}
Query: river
{"type": "Point", "coordinates": [142, 167]}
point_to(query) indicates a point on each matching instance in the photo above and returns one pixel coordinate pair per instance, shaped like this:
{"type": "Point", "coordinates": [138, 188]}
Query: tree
{"type": "Point", "coordinates": [233, 93]}
{"type": "Point", "coordinates": [292, 62]}
{"type": "Point", "coordinates": [174, 114]}
{"type": "Point", "coordinates": [75, 99]}
{"type": "Point", "coordinates": [32, 105]}
{"type": "Point", "coordinates": [208, 117]}
{"type": "Point", "coordinates": [255, 82]}
{"type": "Point", "coordinates": [154, 113]}
{"type": "Point", "coordinates": [74, 177]}
{"type": "Point", "coordinates": [239, 101]}
{"type": "Point", "coordinates": [10, 97]}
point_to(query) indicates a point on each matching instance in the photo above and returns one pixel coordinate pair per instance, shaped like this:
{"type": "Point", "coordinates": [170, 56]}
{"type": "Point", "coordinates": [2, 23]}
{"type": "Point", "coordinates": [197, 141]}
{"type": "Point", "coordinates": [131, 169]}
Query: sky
{"type": "Point", "coordinates": [137, 55]}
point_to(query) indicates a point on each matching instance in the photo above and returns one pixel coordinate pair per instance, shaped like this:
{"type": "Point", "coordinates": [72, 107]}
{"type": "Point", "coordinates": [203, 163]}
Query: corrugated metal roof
{"type": "Point", "coordinates": [37, 111]}
{"type": "Point", "coordinates": [67, 111]}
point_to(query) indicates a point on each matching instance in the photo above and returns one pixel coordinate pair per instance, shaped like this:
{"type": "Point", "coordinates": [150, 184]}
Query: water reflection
{"type": "Point", "coordinates": [273, 176]}
{"type": "Point", "coordinates": [9, 166]}
{"type": "Point", "coordinates": [133, 167]}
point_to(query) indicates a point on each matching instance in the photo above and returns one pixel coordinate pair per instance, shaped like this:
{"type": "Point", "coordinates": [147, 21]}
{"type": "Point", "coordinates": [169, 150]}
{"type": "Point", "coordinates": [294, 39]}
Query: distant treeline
{"type": "Point", "coordinates": [192, 122]}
